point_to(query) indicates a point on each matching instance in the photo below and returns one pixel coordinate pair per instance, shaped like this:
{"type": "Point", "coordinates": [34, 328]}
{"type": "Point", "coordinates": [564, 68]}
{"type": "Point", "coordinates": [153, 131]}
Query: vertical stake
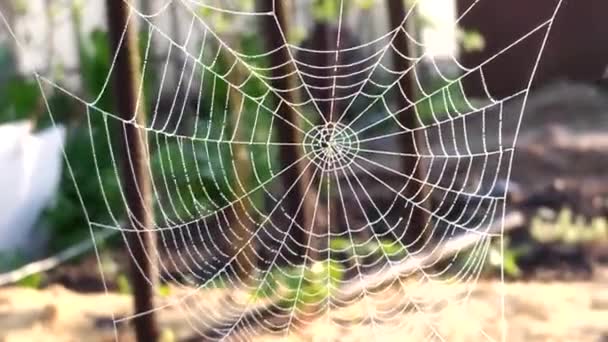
{"type": "Point", "coordinates": [416, 230]}
{"type": "Point", "coordinates": [135, 162]}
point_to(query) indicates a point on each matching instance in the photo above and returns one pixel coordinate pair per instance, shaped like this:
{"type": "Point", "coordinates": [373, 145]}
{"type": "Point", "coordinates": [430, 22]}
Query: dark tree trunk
{"type": "Point", "coordinates": [289, 154]}
{"type": "Point", "coordinates": [241, 213]}
{"type": "Point", "coordinates": [324, 45]}
{"type": "Point", "coordinates": [416, 231]}
{"type": "Point", "coordinates": [135, 162]}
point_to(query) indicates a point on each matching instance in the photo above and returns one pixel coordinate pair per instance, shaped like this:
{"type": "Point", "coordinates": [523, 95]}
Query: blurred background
{"type": "Point", "coordinates": [554, 262]}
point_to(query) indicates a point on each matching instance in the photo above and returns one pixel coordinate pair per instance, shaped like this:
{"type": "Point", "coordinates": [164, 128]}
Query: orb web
{"type": "Point", "coordinates": [219, 108]}
{"type": "Point", "coordinates": [331, 146]}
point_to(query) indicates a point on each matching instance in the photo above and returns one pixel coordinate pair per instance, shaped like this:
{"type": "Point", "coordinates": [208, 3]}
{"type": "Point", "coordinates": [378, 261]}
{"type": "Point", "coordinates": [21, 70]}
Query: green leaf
{"type": "Point", "coordinates": [340, 245]}
{"type": "Point", "coordinates": [510, 265]}
{"type": "Point", "coordinates": [124, 286]}
{"type": "Point", "coordinates": [392, 248]}
{"type": "Point", "coordinates": [19, 99]}
{"type": "Point", "coordinates": [336, 272]}
{"type": "Point", "coordinates": [365, 4]}
{"type": "Point", "coordinates": [164, 290]}
{"type": "Point", "coordinates": [472, 41]}
{"type": "Point", "coordinates": [326, 10]}
{"type": "Point", "coordinates": [32, 281]}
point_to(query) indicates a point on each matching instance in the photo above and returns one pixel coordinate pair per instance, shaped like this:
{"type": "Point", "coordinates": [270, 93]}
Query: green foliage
{"type": "Point", "coordinates": [302, 285]}
{"type": "Point", "coordinates": [65, 217]}
{"type": "Point", "coordinates": [164, 290]}
{"type": "Point", "coordinates": [182, 168]}
{"type": "Point", "coordinates": [444, 103]}
{"type": "Point", "coordinates": [217, 283]}
{"type": "Point", "coordinates": [201, 174]}
{"type": "Point", "coordinates": [33, 281]}
{"type": "Point", "coordinates": [568, 229]}
{"type": "Point", "coordinates": [446, 100]}
{"type": "Point", "coordinates": [380, 248]}
{"type": "Point", "coordinates": [494, 258]}
{"type": "Point", "coordinates": [95, 62]}
{"type": "Point", "coordinates": [19, 98]}
{"type": "Point", "coordinates": [509, 261]}
{"type": "Point", "coordinates": [96, 178]}
{"type": "Point", "coordinates": [365, 4]}
{"type": "Point", "coordinates": [124, 285]}
{"type": "Point", "coordinates": [326, 10]}
{"type": "Point", "coordinates": [14, 259]}
{"type": "Point", "coordinates": [221, 21]}
{"type": "Point", "coordinates": [546, 227]}
{"type": "Point", "coordinates": [471, 41]}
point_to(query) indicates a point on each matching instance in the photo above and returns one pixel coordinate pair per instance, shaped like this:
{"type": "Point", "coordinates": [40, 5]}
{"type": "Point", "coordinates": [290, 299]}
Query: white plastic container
{"type": "Point", "coordinates": [30, 170]}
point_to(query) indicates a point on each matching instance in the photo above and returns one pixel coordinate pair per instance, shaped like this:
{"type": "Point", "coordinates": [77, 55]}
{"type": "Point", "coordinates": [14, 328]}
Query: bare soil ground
{"type": "Point", "coordinates": [534, 311]}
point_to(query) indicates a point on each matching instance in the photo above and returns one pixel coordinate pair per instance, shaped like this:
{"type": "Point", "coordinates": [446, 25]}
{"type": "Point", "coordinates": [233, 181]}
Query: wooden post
{"type": "Point", "coordinates": [240, 220]}
{"type": "Point", "coordinates": [419, 219]}
{"type": "Point", "coordinates": [289, 154]}
{"type": "Point", "coordinates": [135, 162]}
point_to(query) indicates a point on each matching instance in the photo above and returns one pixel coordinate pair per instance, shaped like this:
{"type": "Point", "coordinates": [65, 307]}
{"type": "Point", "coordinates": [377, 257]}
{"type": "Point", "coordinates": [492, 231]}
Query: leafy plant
{"type": "Point", "coordinates": [546, 227]}
{"type": "Point", "coordinates": [14, 259]}
{"type": "Point", "coordinates": [33, 281]}
{"type": "Point", "coordinates": [89, 149]}
{"type": "Point", "coordinates": [302, 285]}
{"type": "Point", "coordinates": [495, 258]}
{"type": "Point", "coordinates": [380, 248]}
{"type": "Point", "coordinates": [19, 98]}
{"type": "Point", "coordinates": [509, 261]}
{"type": "Point", "coordinates": [217, 283]}
{"type": "Point", "coordinates": [95, 177]}
{"type": "Point", "coordinates": [471, 40]}
{"type": "Point", "coordinates": [442, 104]}
{"type": "Point", "coordinates": [164, 290]}
{"type": "Point", "coordinates": [566, 228]}
{"type": "Point", "coordinates": [182, 168]}
{"type": "Point", "coordinates": [124, 285]}
{"type": "Point", "coordinates": [327, 10]}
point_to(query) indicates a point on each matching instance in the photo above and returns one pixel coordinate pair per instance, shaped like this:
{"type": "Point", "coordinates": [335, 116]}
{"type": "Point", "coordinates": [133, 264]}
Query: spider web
{"type": "Point", "coordinates": [220, 109]}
